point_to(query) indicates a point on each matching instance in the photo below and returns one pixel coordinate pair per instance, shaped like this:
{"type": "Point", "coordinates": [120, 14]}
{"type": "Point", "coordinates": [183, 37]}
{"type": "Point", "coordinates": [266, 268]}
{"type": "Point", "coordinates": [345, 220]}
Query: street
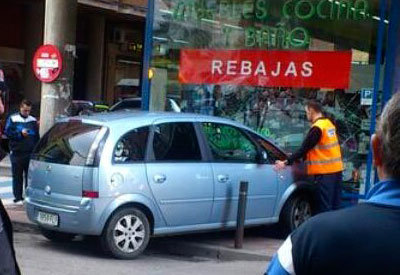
{"type": "Point", "coordinates": [36, 255]}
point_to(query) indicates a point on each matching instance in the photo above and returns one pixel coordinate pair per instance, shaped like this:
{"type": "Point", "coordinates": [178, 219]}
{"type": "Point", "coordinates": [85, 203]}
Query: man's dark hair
{"type": "Point", "coordinates": [315, 105]}
{"type": "Point", "coordinates": [26, 102]}
{"type": "Point", "coordinates": [389, 132]}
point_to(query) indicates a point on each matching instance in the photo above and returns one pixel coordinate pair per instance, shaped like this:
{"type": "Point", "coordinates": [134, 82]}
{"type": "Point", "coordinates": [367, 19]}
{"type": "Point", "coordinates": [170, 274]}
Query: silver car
{"type": "Point", "coordinates": [128, 176]}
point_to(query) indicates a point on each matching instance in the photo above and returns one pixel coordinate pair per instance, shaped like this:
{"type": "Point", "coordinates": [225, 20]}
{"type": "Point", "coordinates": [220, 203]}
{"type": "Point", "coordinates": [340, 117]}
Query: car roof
{"type": "Point", "coordinates": [142, 118]}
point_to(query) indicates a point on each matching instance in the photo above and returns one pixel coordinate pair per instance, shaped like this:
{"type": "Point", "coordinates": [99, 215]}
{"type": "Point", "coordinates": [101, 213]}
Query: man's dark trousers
{"type": "Point", "coordinates": [20, 165]}
{"type": "Point", "coordinates": [329, 191]}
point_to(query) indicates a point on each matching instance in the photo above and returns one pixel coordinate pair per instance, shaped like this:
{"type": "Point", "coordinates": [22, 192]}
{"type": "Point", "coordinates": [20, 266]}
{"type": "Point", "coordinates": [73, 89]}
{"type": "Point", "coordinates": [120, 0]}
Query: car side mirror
{"type": "Point", "coordinates": [261, 157]}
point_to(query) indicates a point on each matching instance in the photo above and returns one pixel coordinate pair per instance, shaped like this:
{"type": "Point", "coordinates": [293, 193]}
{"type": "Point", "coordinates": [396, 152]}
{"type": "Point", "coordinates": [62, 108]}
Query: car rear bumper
{"type": "Point", "coordinates": [71, 219]}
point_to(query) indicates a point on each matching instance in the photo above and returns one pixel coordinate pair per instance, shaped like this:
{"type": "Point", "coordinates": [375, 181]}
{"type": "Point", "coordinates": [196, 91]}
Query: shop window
{"type": "Point", "coordinates": [229, 144]}
{"type": "Point", "coordinates": [229, 86]}
{"type": "Point", "coordinates": [132, 146]}
{"type": "Point", "coordinates": [176, 142]}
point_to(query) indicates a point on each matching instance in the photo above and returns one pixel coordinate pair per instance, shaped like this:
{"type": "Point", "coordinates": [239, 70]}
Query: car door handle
{"type": "Point", "coordinates": [223, 178]}
{"type": "Point", "coordinates": [159, 178]}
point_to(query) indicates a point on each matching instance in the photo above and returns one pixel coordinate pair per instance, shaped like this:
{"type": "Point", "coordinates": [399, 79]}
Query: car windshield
{"type": "Point", "coordinates": [67, 143]}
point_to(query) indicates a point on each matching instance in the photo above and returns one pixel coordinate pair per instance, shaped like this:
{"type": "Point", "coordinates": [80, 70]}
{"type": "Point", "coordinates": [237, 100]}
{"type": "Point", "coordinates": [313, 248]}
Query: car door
{"type": "Point", "coordinates": [234, 159]}
{"type": "Point", "coordinates": [180, 180]}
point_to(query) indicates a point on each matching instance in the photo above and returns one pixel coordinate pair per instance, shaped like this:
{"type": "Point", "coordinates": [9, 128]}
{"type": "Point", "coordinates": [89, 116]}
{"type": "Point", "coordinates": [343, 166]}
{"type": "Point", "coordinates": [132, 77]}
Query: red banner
{"type": "Point", "coordinates": [312, 69]}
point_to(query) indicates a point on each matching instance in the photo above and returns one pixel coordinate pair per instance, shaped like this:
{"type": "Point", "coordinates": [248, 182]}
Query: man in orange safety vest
{"type": "Point", "coordinates": [323, 158]}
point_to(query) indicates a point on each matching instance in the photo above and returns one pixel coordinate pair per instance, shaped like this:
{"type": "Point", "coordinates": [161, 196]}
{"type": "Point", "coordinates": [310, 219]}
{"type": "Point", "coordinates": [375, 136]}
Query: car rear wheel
{"type": "Point", "coordinates": [56, 236]}
{"type": "Point", "coordinates": [295, 212]}
{"type": "Point", "coordinates": [126, 234]}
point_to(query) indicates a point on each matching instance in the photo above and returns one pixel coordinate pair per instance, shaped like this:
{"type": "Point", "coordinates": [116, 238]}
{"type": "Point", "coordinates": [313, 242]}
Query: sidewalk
{"type": "Point", "coordinates": [259, 243]}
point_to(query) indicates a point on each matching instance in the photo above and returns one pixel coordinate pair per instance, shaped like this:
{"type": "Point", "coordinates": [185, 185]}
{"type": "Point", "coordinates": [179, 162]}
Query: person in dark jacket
{"type": "Point", "coordinates": [363, 239]}
{"type": "Point", "coordinates": [8, 262]}
{"type": "Point", "coordinates": [23, 133]}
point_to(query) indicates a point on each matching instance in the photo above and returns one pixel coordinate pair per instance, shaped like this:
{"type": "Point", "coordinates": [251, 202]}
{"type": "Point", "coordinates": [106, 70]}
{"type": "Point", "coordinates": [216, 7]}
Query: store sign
{"type": "Point", "coordinates": [297, 69]}
{"type": "Point", "coordinates": [263, 34]}
{"type": "Point", "coordinates": [47, 63]}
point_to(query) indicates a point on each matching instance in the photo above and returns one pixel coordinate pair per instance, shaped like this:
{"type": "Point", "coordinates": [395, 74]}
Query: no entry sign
{"type": "Point", "coordinates": [298, 69]}
{"type": "Point", "coordinates": [47, 63]}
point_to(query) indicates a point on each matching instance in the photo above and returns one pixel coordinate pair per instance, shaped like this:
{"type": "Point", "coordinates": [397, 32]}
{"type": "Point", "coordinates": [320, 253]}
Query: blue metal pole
{"type": "Point", "coordinates": [148, 48]}
{"type": "Point", "coordinates": [381, 33]}
{"type": "Point", "coordinates": [391, 51]}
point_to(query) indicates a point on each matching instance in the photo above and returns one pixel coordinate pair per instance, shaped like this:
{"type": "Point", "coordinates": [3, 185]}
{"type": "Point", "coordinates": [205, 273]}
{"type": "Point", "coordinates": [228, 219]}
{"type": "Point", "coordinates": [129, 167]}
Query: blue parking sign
{"type": "Point", "coordinates": [366, 96]}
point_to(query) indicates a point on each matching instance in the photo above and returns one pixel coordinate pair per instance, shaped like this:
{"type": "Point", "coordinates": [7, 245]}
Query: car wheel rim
{"type": "Point", "coordinates": [302, 212]}
{"type": "Point", "coordinates": [129, 233]}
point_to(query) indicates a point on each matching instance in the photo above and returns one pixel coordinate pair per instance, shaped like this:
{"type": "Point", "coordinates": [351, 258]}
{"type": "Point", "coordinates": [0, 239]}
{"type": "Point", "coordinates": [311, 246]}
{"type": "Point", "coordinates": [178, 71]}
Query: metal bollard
{"type": "Point", "coordinates": [244, 185]}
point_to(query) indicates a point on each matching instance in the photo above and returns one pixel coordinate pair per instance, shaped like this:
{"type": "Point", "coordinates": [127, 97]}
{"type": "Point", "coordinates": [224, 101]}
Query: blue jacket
{"type": "Point", "coordinates": [18, 143]}
{"type": "Point", "coordinates": [363, 239]}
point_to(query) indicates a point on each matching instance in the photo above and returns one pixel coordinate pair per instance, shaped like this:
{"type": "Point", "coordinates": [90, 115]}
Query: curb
{"type": "Point", "coordinates": [186, 249]}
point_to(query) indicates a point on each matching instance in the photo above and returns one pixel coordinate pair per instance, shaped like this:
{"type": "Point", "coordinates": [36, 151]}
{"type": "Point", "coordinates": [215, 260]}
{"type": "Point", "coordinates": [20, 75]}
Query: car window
{"type": "Point", "coordinates": [132, 146]}
{"type": "Point", "coordinates": [228, 143]}
{"type": "Point", "coordinates": [176, 142]}
{"type": "Point", "coordinates": [67, 143]}
{"type": "Point", "coordinates": [272, 153]}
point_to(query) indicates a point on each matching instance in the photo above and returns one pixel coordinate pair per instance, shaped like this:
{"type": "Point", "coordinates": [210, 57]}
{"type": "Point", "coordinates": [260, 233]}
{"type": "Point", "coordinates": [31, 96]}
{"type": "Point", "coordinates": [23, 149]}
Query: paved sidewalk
{"type": "Point", "coordinates": [259, 243]}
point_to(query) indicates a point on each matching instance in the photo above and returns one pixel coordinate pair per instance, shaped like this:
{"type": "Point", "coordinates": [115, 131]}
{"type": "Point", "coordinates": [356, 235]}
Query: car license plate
{"type": "Point", "coordinates": [47, 218]}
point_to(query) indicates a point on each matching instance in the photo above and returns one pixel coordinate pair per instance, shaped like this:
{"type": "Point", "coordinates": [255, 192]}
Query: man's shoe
{"type": "Point", "coordinates": [17, 200]}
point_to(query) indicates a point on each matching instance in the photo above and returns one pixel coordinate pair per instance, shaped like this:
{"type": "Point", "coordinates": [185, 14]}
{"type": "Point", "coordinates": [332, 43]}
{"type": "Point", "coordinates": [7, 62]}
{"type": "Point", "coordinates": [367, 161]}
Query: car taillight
{"type": "Point", "coordinates": [90, 194]}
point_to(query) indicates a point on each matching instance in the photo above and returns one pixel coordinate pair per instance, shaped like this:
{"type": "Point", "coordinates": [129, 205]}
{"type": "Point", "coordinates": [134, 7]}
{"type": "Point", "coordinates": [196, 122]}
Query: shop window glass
{"type": "Point", "coordinates": [132, 146]}
{"type": "Point", "coordinates": [176, 142]}
{"type": "Point", "coordinates": [274, 27]}
{"type": "Point", "coordinates": [228, 143]}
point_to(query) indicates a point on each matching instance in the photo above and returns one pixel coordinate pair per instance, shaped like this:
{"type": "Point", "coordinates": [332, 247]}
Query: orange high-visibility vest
{"type": "Point", "coordinates": [325, 157]}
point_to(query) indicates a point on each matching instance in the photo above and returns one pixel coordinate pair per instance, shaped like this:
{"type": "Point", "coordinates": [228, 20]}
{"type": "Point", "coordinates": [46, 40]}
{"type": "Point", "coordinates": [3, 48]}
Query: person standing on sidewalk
{"type": "Point", "coordinates": [323, 156]}
{"type": "Point", "coordinates": [363, 239]}
{"type": "Point", "coordinates": [23, 133]}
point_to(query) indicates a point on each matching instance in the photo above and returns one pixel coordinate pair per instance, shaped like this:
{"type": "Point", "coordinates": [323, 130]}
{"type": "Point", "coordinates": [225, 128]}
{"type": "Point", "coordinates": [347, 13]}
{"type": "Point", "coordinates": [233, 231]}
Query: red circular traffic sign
{"type": "Point", "coordinates": [47, 63]}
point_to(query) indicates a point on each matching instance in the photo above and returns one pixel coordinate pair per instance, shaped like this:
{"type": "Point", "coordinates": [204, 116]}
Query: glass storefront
{"type": "Point", "coordinates": [269, 96]}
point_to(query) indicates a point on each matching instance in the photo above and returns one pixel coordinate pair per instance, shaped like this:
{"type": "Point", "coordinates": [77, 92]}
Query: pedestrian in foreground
{"type": "Point", "coordinates": [8, 262]}
{"type": "Point", "coordinates": [324, 164]}
{"type": "Point", "coordinates": [363, 239]}
{"type": "Point", "coordinates": [23, 133]}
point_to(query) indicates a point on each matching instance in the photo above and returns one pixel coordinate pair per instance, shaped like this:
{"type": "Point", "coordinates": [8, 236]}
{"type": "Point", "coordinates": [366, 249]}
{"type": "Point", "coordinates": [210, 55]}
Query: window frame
{"type": "Point", "coordinates": [151, 156]}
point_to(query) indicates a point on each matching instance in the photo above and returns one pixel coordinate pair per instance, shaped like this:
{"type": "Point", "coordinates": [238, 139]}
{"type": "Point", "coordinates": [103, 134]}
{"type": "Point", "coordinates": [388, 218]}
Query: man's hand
{"type": "Point", "coordinates": [280, 165]}
{"type": "Point", "coordinates": [24, 132]}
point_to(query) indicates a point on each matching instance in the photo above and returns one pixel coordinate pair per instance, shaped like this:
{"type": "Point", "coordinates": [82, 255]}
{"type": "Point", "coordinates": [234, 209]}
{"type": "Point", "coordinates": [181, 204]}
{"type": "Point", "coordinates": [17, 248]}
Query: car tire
{"type": "Point", "coordinates": [296, 211]}
{"type": "Point", "coordinates": [56, 236]}
{"type": "Point", "coordinates": [126, 234]}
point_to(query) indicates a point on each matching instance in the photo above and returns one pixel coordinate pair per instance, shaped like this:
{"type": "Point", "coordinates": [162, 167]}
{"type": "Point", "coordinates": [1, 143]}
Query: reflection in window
{"type": "Point", "coordinates": [228, 143]}
{"type": "Point", "coordinates": [176, 142]}
{"type": "Point", "coordinates": [67, 143]}
{"type": "Point", "coordinates": [132, 146]}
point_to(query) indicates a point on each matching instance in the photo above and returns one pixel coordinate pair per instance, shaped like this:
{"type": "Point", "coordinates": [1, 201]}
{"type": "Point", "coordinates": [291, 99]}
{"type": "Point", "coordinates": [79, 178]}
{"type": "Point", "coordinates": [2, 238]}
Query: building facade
{"type": "Point", "coordinates": [259, 61]}
{"type": "Point", "coordinates": [108, 49]}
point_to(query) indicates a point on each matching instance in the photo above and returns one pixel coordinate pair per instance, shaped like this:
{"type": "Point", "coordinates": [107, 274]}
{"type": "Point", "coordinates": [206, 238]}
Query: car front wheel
{"type": "Point", "coordinates": [127, 234]}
